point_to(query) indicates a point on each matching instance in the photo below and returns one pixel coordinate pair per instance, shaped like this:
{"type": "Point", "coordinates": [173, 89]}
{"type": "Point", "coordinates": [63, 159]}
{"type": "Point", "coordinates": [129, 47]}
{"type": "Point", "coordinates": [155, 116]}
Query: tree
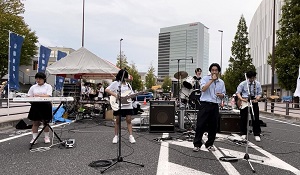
{"type": "Point", "coordinates": [287, 51]}
{"type": "Point", "coordinates": [167, 84]}
{"type": "Point", "coordinates": [10, 20]}
{"type": "Point", "coordinates": [240, 61]}
{"type": "Point", "coordinates": [137, 83]}
{"type": "Point", "coordinates": [124, 61]}
{"type": "Point", "coordinates": [150, 78]}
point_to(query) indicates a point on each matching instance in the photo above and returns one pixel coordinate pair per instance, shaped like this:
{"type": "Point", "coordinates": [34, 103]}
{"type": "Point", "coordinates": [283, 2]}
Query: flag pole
{"type": "Point", "coordinates": [8, 73]}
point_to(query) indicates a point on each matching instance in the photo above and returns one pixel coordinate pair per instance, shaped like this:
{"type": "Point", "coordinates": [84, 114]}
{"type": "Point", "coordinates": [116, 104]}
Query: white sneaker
{"type": "Point", "coordinates": [32, 141]}
{"type": "Point", "coordinates": [47, 139]}
{"type": "Point", "coordinates": [244, 137]}
{"type": "Point", "coordinates": [131, 139]}
{"type": "Point", "coordinates": [257, 138]}
{"type": "Point", "coordinates": [115, 139]}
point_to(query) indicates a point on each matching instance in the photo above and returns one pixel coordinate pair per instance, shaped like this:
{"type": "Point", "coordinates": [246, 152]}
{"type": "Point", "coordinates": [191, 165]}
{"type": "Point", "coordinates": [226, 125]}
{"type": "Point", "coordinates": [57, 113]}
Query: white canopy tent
{"type": "Point", "coordinates": [83, 64]}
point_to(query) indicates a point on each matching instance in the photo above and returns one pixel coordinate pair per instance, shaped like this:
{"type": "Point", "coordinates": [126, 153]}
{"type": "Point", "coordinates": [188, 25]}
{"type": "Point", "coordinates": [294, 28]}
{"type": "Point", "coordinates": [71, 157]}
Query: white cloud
{"type": "Point", "coordinates": [59, 23]}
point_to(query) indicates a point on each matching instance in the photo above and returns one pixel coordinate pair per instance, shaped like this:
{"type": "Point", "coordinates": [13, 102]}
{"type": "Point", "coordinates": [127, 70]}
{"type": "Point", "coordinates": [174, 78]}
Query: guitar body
{"type": "Point", "coordinates": [125, 99]}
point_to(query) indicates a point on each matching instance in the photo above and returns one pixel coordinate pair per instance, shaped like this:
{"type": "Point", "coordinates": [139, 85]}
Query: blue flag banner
{"type": "Point", "coordinates": [43, 58]}
{"type": "Point", "coordinates": [15, 45]}
{"type": "Point", "coordinates": [73, 81]}
{"type": "Point", "coordinates": [59, 82]}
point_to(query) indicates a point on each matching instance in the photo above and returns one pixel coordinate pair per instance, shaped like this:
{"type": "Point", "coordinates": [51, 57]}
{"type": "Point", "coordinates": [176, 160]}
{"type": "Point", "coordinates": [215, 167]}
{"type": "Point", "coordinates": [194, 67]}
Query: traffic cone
{"type": "Point", "coordinates": [145, 102]}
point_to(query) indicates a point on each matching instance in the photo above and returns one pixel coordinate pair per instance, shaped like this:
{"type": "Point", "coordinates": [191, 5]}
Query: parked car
{"type": "Point", "coordinates": [148, 96]}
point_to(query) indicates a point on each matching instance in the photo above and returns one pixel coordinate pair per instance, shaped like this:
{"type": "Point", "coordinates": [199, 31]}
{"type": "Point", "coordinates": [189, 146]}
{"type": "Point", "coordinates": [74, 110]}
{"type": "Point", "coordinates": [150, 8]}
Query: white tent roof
{"type": "Point", "coordinates": [83, 64]}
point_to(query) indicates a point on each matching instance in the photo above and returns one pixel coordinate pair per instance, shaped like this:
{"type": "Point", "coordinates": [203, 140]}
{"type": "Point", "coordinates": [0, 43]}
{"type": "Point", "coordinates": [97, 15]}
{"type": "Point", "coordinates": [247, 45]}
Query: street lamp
{"type": "Point", "coordinates": [82, 36]}
{"type": "Point", "coordinates": [221, 47]}
{"type": "Point", "coordinates": [121, 53]}
{"type": "Point", "coordinates": [273, 58]}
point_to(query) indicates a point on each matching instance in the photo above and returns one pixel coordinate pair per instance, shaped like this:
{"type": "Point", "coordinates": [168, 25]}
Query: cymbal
{"type": "Point", "coordinates": [180, 75]}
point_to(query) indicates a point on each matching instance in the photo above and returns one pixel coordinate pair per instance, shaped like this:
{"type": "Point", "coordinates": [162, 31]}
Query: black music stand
{"type": "Point", "coordinates": [246, 156]}
{"type": "Point", "coordinates": [119, 157]}
{"type": "Point", "coordinates": [46, 123]}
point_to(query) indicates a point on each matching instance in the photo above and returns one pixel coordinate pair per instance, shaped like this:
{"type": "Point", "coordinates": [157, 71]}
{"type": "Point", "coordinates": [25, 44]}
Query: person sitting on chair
{"type": "Point", "coordinates": [126, 109]}
{"type": "Point", "coordinates": [197, 78]}
{"type": "Point", "coordinates": [255, 94]}
{"type": "Point", "coordinates": [40, 111]}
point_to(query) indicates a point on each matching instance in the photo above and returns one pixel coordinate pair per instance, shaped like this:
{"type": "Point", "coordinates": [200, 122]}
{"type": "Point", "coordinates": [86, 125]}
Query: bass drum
{"type": "Point", "coordinates": [184, 94]}
{"type": "Point", "coordinates": [194, 98]}
{"type": "Point", "coordinates": [189, 82]}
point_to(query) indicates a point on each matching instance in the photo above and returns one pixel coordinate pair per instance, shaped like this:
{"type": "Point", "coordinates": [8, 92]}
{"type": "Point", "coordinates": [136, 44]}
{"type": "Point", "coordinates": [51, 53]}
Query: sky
{"type": "Point", "coordinates": [137, 22]}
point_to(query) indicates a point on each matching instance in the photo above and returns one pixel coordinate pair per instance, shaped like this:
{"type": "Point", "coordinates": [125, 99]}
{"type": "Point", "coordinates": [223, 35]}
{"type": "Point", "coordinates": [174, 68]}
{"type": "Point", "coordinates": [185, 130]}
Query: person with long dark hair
{"type": "Point", "coordinates": [126, 109]}
{"type": "Point", "coordinates": [40, 112]}
{"type": "Point", "coordinates": [213, 90]}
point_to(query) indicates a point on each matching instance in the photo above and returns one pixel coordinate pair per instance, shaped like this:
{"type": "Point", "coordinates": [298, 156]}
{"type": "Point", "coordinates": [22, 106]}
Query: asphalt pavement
{"type": "Point", "coordinates": [160, 153]}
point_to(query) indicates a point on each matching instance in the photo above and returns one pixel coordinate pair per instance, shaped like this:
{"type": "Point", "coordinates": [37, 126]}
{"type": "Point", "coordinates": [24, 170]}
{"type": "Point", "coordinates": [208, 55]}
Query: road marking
{"type": "Point", "coordinates": [28, 133]}
{"type": "Point", "coordinates": [165, 167]}
{"type": "Point", "coordinates": [280, 121]}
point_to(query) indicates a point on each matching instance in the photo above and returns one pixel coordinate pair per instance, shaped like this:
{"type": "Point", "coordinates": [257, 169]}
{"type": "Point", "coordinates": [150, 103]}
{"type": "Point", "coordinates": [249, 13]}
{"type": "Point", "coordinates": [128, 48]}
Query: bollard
{"type": "Point", "coordinates": [287, 108]}
{"type": "Point", "coordinates": [266, 104]}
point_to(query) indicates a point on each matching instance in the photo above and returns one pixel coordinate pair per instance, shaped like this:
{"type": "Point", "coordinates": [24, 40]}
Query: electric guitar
{"type": "Point", "coordinates": [125, 99]}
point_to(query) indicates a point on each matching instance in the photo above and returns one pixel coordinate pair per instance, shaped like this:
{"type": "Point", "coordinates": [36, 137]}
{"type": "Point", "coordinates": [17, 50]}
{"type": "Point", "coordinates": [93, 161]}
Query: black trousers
{"type": "Point", "coordinates": [208, 115]}
{"type": "Point", "coordinates": [255, 120]}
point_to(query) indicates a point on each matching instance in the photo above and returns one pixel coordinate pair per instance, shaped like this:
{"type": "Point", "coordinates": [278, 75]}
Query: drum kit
{"type": "Point", "coordinates": [189, 97]}
{"type": "Point", "coordinates": [189, 101]}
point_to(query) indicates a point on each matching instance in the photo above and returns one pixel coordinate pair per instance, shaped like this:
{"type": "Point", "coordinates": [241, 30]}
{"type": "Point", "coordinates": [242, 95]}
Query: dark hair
{"type": "Point", "coordinates": [40, 75]}
{"type": "Point", "coordinates": [198, 70]}
{"type": "Point", "coordinates": [250, 74]}
{"type": "Point", "coordinates": [215, 64]}
{"type": "Point", "coordinates": [120, 75]}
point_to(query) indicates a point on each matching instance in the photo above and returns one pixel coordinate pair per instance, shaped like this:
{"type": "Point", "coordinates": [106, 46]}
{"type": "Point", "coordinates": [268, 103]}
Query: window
{"type": "Point", "coordinates": [34, 65]}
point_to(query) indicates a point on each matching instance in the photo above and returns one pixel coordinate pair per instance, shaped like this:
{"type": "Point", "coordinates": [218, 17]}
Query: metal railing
{"type": "Point", "coordinates": [285, 108]}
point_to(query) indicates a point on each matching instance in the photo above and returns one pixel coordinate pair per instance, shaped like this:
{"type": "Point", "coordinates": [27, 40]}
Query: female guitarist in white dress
{"type": "Point", "coordinates": [126, 105]}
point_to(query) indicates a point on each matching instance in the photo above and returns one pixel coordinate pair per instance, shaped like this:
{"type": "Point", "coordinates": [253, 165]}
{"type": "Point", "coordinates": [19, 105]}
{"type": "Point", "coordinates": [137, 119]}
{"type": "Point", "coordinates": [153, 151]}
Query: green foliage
{"type": "Point", "coordinates": [167, 84]}
{"type": "Point", "coordinates": [124, 61]}
{"type": "Point", "coordinates": [137, 83]}
{"type": "Point", "coordinates": [240, 61]}
{"type": "Point", "coordinates": [10, 20]}
{"type": "Point", "coordinates": [150, 78]}
{"type": "Point", "coordinates": [287, 51]}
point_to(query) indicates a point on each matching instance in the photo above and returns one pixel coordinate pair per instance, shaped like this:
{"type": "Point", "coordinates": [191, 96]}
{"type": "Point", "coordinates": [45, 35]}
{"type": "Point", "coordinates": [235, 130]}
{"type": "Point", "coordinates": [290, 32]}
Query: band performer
{"type": "Point", "coordinates": [40, 111]}
{"type": "Point", "coordinates": [100, 91]}
{"type": "Point", "coordinates": [197, 78]}
{"type": "Point", "coordinates": [213, 90]}
{"type": "Point", "coordinates": [255, 94]}
{"type": "Point", "coordinates": [126, 109]}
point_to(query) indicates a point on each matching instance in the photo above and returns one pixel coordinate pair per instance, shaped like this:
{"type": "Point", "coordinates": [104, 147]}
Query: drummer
{"type": "Point", "coordinates": [197, 78]}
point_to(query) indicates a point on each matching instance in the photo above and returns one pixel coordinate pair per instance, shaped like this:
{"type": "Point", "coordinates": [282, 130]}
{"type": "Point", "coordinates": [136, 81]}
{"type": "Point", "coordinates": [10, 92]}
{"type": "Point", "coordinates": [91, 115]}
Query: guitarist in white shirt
{"type": "Point", "coordinates": [255, 94]}
{"type": "Point", "coordinates": [126, 108]}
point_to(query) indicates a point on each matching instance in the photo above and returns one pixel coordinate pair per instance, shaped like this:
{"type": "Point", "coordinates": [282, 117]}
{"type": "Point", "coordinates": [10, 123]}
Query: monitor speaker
{"type": "Point", "coordinates": [24, 124]}
{"type": "Point", "coordinates": [229, 122]}
{"type": "Point", "coordinates": [162, 116]}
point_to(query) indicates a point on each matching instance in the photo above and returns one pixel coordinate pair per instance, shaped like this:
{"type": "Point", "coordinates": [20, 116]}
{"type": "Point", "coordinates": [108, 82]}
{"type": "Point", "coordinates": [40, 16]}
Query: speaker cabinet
{"type": "Point", "coordinates": [162, 116]}
{"type": "Point", "coordinates": [24, 124]}
{"type": "Point", "coordinates": [229, 122]}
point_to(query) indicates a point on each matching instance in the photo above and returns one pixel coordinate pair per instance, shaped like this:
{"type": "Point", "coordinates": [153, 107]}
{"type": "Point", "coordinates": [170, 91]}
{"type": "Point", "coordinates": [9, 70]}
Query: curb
{"type": "Point", "coordinates": [280, 116]}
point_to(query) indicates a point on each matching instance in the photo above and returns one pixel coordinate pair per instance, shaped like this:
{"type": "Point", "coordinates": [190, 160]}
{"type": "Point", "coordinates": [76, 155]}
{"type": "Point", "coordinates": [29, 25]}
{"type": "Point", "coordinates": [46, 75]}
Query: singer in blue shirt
{"type": "Point", "coordinates": [213, 90]}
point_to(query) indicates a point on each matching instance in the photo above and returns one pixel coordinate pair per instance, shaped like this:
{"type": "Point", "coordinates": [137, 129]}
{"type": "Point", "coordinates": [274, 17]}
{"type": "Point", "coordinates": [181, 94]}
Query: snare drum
{"type": "Point", "coordinates": [189, 82]}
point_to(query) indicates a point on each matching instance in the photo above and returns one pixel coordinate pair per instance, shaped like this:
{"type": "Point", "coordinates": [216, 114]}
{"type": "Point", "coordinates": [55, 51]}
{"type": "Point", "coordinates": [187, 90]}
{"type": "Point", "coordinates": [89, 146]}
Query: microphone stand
{"type": "Point", "coordinates": [246, 156]}
{"type": "Point", "coordinates": [119, 157]}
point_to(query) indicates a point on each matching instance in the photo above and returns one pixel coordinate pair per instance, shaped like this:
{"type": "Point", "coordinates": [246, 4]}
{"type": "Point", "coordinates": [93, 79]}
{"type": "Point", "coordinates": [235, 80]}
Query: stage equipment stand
{"type": "Point", "coordinates": [178, 84]}
{"type": "Point", "coordinates": [246, 156]}
{"type": "Point", "coordinates": [119, 156]}
{"type": "Point", "coordinates": [46, 123]}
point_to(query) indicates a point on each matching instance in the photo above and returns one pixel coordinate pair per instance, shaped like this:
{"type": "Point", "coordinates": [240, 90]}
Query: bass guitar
{"type": "Point", "coordinates": [125, 99]}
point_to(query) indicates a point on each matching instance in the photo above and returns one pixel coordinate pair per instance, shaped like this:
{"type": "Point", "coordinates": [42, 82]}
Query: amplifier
{"type": "Point", "coordinates": [229, 122]}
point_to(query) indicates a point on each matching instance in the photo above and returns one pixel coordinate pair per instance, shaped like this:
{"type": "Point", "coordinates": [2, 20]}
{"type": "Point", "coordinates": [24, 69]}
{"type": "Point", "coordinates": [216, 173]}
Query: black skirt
{"type": "Point", "coordinates": [123, 112]}
{"type": "Point", "coordinates": [40, 111]}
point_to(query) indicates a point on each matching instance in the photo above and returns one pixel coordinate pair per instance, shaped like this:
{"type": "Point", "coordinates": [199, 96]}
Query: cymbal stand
{"type": "Point", "coordinates": [178, 84]}
{"type": "Point", "coordinates": [246, 156]}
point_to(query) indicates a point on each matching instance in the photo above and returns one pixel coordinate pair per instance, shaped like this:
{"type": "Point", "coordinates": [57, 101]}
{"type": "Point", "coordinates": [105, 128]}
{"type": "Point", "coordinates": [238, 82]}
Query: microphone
{"type": "Point", "coordinates": [192, 59]}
